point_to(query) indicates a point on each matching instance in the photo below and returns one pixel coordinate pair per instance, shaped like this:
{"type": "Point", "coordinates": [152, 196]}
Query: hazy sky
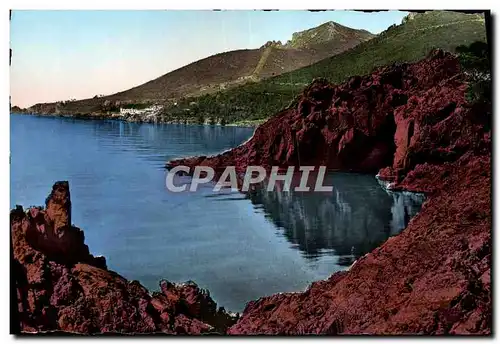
{"type": "Point", "coordinates": [59, 55]}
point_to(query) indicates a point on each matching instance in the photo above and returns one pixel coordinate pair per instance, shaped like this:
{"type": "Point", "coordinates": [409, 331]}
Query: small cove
{"type": "Point", "coordinates": [239, 246]}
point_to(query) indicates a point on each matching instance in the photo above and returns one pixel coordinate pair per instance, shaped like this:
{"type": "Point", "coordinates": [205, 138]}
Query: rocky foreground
{"type": "Point", "coordinates": [409, 123]}
{"type": "Point", "coordinates": [62, 287]}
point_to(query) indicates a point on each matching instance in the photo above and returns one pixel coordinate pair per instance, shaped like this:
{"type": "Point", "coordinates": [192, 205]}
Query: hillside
{"type": "Point", "coordinates": [225, 70]}
{"type": "Point", "coordinates": [326, 32]}
{"type": "Point", "coordinates": [408, 42]}
{"type": "Point", "coordinates": [310, 46]}
{"type": "Point", "coordinates": [219, 71]}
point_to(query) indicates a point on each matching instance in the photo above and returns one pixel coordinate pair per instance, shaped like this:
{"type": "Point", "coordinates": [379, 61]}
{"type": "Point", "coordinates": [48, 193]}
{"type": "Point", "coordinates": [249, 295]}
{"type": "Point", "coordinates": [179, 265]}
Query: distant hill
{"type": "Point", "coordinates": [226, 70]}
{"type": "Point", "coordinates": [410, 41]}
{"type": "Point", "coordinates": [327, 32]}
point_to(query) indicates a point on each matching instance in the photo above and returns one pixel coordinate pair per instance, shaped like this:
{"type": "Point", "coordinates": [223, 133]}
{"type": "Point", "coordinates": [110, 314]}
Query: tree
{"type": "Point", "coordinates": [200, 119]}
{"type": "Point", "coordinates": [475, 63]}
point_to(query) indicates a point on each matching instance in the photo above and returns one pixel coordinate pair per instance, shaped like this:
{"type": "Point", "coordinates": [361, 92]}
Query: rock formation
{"type": "Point", "coordinates": [433, 278]}
{"type": "Point", "coordinates": [412, 125]}
{"type": "Point", "coordinates": [390, 118]}
{"type": "Point", "coordinates": [62, 287]}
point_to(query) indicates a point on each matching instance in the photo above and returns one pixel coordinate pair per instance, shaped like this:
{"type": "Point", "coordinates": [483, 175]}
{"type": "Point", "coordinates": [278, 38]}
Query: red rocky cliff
{"type": "Point", "coordinates": [433, 278]}
{"type": "Point", "coordinates": [411, 124]}
{"type": "Point", "coordinates": [60, 286]}
{"type": "Point", "coordinates": [391, 118]}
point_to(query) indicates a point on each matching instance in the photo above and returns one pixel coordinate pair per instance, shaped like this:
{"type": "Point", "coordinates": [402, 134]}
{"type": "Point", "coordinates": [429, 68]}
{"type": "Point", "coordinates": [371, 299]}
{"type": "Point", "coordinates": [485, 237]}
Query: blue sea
{"type": "Point", "coordinates": [239, 246]}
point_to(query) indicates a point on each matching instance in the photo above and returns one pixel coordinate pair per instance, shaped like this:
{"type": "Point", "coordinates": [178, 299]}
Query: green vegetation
{"type": "Point", "coordinates": [408, 42]}
{"type": "Point", "coordinates": [138, 106]}
{"type": "Point", "coordinates": [248, 123]}
{"type": "Point", "coordinates": [474, 59]}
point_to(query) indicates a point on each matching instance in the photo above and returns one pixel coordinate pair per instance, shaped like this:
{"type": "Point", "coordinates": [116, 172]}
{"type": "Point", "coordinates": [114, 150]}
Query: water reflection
{"type": "Point", "coordinates": [348, 222]}
{"type": "Point", "coordinates": [163, 142]}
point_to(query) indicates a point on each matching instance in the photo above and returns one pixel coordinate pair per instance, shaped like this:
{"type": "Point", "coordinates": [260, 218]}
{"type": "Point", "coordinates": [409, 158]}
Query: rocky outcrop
{"type": "Point", "coordinates": [433, 278]}
{"type": "Point", "coordinates": [61, 287]}
{"type": "Point", "coordinates": [411, 124]}
{"type": "Point", "coordinates": [390, 122]}
{"type": "Point", "coordinates": [364, 124]}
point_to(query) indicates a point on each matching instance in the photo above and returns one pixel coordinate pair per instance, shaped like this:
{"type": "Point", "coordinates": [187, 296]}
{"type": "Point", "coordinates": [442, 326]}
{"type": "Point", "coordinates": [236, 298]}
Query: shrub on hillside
{"type": "Point", "coordinates": [476, 65]}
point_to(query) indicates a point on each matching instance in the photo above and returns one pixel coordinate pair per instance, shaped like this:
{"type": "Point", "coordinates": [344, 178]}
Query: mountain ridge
{"type": "Point", "coordinates": [221, 71]}
{"type": "Point", "coordinates": [323, 33]}
{"type": "Point", "coordinates": [251, 101]}
{"type": "Point", "coordinates": [407, 42]}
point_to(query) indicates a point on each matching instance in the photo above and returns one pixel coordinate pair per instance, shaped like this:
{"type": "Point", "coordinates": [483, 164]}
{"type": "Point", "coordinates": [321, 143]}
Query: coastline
{"type": "Point", "coordinates": [401, 257]}
{"type": "Point", "coordinates": [132, 119]}
{"type": "Point", "coordinates": [62, 287]}
{"type": "Point", "coordinates": [434, 277]}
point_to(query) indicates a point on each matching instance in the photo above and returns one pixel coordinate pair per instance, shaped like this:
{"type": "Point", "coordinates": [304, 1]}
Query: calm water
{"type": "Point", "coordinates": [240, 247]}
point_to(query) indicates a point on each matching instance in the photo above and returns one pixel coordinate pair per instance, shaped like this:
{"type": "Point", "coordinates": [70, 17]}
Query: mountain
{"type": "Point", "coordinates": [327, 32]}
{"type": "Point", "coordinates": [254, 93]}
{"type": "Point", "coordinates": [410, 41]}
{"type": "Point", "coordinates": [226, 70]}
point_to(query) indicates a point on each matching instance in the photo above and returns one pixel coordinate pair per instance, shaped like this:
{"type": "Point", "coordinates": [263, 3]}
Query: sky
{"type": "Point", "coordinates": [61, 55]}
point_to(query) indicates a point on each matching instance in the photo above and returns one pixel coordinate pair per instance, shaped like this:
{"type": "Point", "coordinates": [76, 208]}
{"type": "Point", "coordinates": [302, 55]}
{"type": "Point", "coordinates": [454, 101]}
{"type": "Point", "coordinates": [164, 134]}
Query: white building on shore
{"type": "Point", "coordinates": [152, 110]}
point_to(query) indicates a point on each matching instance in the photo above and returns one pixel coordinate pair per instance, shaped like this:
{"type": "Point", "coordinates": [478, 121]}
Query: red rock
{"type": "Point", "coordinates": [428, 279]}
{"type": "Point", "coordinates": [185, 325]}
{"type": "Point", "coordinates": [58, 207]}
{"type": "Point", "coordinates": [362, 125]}
{"type": "Point", "coordinates": [412, 124]}
{"type": "Point", "coordinates": [62, 287]}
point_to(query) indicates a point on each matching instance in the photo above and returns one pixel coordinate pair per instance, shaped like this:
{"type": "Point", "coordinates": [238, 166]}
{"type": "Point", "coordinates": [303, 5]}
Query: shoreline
{"type": "Point", "coordinates": [127, 120]}
{"type": "Point", "coordinates": [62, 287]}
{"type": "Point", "coordinates": [255, 313]}
{"type": "Point", "coordinates": [70, 250]}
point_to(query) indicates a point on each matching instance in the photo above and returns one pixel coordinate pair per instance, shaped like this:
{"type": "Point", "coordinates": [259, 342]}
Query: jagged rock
{"type": "Point", "coordinates": [362, 125]}
{"type": "Point", "coordinates": [62, 287]}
